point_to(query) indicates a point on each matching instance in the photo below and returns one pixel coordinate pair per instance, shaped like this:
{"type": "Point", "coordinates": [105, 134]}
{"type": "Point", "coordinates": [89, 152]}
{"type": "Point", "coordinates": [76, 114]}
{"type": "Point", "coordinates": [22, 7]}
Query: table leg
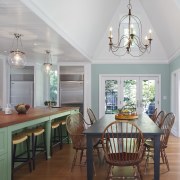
{"type": "Point", "coordinates": [89, 158]}
{"type": "Point", "coordinates": [156, 157]}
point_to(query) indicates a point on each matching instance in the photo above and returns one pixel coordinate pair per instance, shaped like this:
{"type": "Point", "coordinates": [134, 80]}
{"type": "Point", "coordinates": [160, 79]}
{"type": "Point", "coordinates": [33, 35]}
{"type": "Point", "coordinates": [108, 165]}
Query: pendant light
{"type": "Point", "coordinates": [47, 62]}
{"type": "Point", "coordinates": [17, 56]}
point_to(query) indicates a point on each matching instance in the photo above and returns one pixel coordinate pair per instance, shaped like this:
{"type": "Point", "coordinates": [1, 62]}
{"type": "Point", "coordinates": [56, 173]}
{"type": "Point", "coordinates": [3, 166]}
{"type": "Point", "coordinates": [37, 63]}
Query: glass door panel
{"type": "Point", "coordinates": [111, 96]}
{"type": "Point", "coordinates": [129, 92]}
{"type": "Point", "coordinates": [149, 94]}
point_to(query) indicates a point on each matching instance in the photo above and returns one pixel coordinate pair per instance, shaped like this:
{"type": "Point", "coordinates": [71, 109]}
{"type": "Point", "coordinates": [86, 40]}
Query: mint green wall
{"type": "Point", "coordinates": [174, 65]}
{"type": "Point", "coordinates": [162, 69]}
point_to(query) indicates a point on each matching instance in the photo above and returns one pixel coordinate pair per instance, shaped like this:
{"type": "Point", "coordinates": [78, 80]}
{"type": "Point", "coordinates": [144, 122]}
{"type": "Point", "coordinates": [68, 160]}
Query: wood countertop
{"type": "Point", "coordinates": [32, 113]}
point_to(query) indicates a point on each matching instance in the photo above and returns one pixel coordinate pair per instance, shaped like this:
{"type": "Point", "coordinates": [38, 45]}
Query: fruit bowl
{"type": "Point", "coordinates": [22, 108]}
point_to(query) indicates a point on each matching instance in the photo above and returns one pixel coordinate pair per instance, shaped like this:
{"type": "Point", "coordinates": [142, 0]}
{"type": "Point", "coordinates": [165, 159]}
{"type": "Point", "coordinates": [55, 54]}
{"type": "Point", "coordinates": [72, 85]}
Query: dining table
{"type": "Point", "coordinates": [143, 121]}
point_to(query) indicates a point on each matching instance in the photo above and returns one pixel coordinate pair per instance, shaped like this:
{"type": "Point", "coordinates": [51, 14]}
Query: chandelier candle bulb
{"type": "Point", "coordinates": [146, 40]}
{"type": "Point", "coordinates": [150, 34]}
{"type": "Point", "coordinates": [131, 29]}
{"type": "Point", "coordinates": [110, 32]}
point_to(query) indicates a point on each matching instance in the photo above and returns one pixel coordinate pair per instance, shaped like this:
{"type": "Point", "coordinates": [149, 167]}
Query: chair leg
{"type": "Point", "coordinates": [162, 156]}
{"type": "Point", "coordinates": [166, 159]}
{"type": "Point", "coordinates": [51, 145]}
{"type": "Point", "coordinates": [139, 172]}
{"type": "Point", "coordinates": [74, 160]}
{"type": "Point", "coordinates": [45, 149]}
{"type": "Point", "coordinates": [98, 153]}
{"type": "Point", "coordinates": [59, 138]}
{"type": "Point", "coordinates": [147, 160]}
{"type": "Point", "coordinates": [13, 159]}
{"type": "Point", "coordinates": [34, 143]}
{"type": "Point", "coordinates": [28, 154]}
{"type": "Point", "coordinates": [61, 134]}
{"type": "Point", "coordinates": [81, 156]}
{"type": "Point", "coordinates": [109, 174]}
{"type": "Point", "coordinates": [67, 135]}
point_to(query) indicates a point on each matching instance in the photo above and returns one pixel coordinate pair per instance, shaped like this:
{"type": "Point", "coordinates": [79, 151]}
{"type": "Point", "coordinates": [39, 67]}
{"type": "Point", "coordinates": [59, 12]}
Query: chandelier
{"type": "Point", "coordinates": [17, 57]}
{"type": "Point", "coordinates": [130, 37]}
{"type": "Point", "coordinates": [47, 62]}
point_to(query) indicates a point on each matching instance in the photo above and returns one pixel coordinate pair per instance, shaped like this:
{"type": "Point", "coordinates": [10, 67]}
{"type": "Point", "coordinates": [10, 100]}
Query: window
{"type": "Point", "coordinates": [119, 90]}
{"type": "Point", "coordinates": [53, 81]}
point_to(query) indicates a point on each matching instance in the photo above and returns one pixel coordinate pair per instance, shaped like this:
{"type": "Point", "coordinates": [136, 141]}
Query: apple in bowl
{"type": "Point", "coordinates": [22, 108]}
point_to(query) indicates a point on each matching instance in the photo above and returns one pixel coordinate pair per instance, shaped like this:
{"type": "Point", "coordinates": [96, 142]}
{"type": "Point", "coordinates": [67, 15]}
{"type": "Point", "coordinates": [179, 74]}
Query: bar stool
{"type": "Point", "coordinates": [56, 137]}
{"type": "Point", "coordinates": [66, 136]}
{"type": "Point", "coordinates": [35, 134]}
{"type": "Point", "coordinates": [18, 139]}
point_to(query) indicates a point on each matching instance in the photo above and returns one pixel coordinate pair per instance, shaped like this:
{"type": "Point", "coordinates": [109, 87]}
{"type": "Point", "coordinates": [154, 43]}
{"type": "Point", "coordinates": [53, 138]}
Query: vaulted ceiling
{"type": "Point", "coordinates": [77, 30]}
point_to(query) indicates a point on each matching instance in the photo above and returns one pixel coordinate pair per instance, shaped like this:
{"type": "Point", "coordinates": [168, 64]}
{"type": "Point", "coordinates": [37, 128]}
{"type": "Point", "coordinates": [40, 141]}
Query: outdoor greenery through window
{"type": "Point", "coordinates": [111, 93]}
{"type": "Point", "coordinates": [142, 96]}
{"type": "Point", "coordinates": [53, 81]}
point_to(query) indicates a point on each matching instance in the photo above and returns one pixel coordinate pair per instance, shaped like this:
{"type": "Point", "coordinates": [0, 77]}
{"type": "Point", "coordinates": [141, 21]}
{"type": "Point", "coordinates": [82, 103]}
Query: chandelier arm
{"type": "Point", "coordinates": [114, 52]}
{"type": "Point", "coordinates": [138, 43]}
{"type": "Point", "coordinates": [118, 45]}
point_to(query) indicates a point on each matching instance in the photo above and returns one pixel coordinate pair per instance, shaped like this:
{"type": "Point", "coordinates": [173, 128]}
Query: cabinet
{"type": "Point", "coordinates": [3, 153]}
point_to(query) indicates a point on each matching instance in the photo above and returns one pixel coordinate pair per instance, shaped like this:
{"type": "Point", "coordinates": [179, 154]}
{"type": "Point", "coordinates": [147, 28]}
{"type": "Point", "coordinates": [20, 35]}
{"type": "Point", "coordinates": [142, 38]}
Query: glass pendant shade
{"type": "Point", "coordinates": [48, 62]}
{"type": "Point", "coordinates": [17, 57]}
{"type": "Point", "coordinates": [47, 67]}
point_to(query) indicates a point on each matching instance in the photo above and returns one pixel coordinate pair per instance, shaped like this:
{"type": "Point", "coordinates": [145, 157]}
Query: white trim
{"type": "Point", "coordinates": [175, 100]}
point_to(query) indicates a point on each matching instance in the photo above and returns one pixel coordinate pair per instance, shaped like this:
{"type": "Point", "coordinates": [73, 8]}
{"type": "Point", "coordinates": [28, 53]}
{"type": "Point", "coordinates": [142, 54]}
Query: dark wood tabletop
{"type": "Point", "coordinates": [147, 126]}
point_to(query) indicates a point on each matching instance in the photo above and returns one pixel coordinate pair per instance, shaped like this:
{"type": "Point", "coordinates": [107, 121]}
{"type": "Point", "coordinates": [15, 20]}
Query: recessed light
{"type": "Point", "coordinates": [35, 44]}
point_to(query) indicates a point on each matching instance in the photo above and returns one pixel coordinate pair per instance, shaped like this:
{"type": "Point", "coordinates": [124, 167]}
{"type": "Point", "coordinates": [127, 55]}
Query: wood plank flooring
{"type": "Point", "coordinates": [58, 167]}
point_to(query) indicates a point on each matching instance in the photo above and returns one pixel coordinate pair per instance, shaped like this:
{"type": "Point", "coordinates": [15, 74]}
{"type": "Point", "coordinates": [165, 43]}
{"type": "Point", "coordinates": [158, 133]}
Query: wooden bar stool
{"type": "Point", "coordinates": [18, 139]}
{"type": "Point", "coordinates": [55, 135]}
{"type": "Point", "coordinates": [66, 136]}
{"type": "Point", "coordinates": [35, 134]}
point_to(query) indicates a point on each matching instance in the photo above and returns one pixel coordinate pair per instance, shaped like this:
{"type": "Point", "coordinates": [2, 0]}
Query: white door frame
{"type": "Point", "coordinates": [175, 100]}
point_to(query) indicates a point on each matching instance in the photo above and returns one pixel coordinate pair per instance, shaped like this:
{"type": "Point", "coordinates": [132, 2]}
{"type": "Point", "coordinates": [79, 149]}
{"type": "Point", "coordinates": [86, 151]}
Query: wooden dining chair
{"type": "Point", "coordinates": [93, 119]}
{"type": "Point", "coordinates": [154, 115]}
{"type": "Point", "coordinates": [124, 146]}
{"type": "Point", "coordinates": [166, 128]}
{"type": "Point", "coordinates": [75, 127]}
{"type": "Point", "coordinates": [91, 115]}
{"type": "Point", "coordinates": [160, 118]}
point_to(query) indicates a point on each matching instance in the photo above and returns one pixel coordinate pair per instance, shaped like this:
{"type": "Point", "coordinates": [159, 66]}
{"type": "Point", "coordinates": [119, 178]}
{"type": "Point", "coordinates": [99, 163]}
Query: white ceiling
{"type": "Point", "coordinates": [77, 30]}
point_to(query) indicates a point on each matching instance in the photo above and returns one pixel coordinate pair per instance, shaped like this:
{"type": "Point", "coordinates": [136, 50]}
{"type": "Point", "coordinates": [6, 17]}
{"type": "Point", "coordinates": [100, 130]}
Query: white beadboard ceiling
{"type": "Point", "coordinates": [77, 30]}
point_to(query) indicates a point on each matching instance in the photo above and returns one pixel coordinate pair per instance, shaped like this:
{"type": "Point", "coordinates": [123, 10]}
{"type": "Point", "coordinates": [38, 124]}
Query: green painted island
{"type": "Point", "coordinates": [15, 122]}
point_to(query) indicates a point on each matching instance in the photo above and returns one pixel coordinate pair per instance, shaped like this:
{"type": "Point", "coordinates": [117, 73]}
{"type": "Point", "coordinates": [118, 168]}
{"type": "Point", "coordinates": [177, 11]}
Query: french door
{"type": "Point", "coordinates": [117, 91]}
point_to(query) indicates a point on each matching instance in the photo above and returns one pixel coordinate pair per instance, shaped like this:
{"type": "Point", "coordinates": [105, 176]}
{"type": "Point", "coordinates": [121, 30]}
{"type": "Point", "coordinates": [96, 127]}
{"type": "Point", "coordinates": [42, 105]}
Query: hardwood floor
{"type": "Point", "coordinates": [58, 167]}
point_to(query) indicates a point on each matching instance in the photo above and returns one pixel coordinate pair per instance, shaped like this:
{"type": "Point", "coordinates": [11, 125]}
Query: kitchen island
{"type": "Point", "coordinates": [15, 122]}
